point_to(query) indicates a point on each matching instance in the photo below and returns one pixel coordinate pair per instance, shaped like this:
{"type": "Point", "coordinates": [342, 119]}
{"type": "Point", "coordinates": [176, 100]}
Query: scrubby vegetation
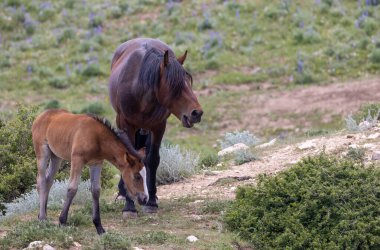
{"type": "Point", "coordinates": [321, 203]}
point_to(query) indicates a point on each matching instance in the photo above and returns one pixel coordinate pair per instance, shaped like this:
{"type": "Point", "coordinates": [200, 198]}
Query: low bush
{"type": "Point", "coordinates": [320, 203]}
{"type": "Point", "coordinates": [175, 164]}
{"type": "Point", "coordinates": [96, 108]}
{"type": "Point", "coordinates": [17, 160]}
{"type": "Point", "coordinates": [238, 137]}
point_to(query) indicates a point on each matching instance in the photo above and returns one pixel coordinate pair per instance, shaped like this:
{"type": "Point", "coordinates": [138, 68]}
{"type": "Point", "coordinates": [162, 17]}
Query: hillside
{"type": "Point", "coordinates": [57, 53]}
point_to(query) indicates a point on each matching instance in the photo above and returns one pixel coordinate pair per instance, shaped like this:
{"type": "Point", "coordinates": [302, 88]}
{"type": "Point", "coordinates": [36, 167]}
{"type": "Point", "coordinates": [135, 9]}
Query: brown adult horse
{"type": "Point", "coordinates": [147, 84]}
{"type": "Point", "coordinates": [83, 139]}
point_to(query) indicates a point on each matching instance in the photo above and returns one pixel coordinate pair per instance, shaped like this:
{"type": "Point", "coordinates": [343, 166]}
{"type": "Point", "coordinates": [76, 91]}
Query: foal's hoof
{"type": "Point", "coordinates": [129, 215]}
{"type": "Point", "coordinates": [150, 209]}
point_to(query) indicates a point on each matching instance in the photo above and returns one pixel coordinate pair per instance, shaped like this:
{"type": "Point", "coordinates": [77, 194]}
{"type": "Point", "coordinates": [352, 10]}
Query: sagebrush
{"type": "Point", "coordinates": [175, 164]}
{"type": "Point", "coordinates": [320, 203]}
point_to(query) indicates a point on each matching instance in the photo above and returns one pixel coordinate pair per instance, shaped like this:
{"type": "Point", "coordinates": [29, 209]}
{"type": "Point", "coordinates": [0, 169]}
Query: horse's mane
{"type": "Point", "coordinates": [118, 133]}
{"type": "Point", "coordinates": [175, 75]}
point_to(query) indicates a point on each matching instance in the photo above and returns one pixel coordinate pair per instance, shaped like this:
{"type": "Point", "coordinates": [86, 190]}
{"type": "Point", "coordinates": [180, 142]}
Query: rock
{"type": "Point", "coordinates": [307, 145]}
{"type": "Point", "coordinates": [48, 247]}
{"type": "Point", "coordinates": [365, 125]}
{"type": "Point", "coordinates": [268, 144]}
{"type": "Point", "coordinates": [374, 136]}
{"type": "Point", "coordinates": [137, 248]}
{"type": "Point", "coordinates": [351, 136]}
{"type": "Point", "coordinates": [234, 148]}
{"type": "Point", "coordinates": [233, 189]}
{"type": "Point", "coordinates": [35, 244]}
{"type": "Point", "coordinates": [198, 201]}
{"type": "Point", "coordinates": [77, 245]}
{"type": "Point", "coordinates": [191, 238]}
{"type": "Point", "coordinates": [375, 156]}
{"type": "Point", "coordinates": [369, 146]}
{"type": "Point", "coordinates": [195, 217]}
{"type": "Point", "coordinates": [353, 146]}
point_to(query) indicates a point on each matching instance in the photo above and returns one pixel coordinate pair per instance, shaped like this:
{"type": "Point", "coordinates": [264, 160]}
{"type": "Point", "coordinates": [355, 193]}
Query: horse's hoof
{"type": "Point", "coordinates": [129, 215]}
{"type": "Point", "coordinates": [150, 209]}
{"type": "Point", "coordinates": [100, 230]}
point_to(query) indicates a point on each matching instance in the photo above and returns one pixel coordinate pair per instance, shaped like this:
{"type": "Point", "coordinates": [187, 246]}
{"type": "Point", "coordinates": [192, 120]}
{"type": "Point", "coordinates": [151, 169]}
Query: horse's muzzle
{"type": "Point", "coordinates": [195, 117]}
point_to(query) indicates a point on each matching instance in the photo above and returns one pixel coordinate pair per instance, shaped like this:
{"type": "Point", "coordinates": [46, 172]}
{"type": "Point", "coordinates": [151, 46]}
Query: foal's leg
{"type": "Point", "coordinates": [95, 172]}
{"type": "Point", "coordinates": [43, 191]}
{"type": "Point", "coordinates": [75, 173]}
{"type": "Point", "coordinates": [55, 164]}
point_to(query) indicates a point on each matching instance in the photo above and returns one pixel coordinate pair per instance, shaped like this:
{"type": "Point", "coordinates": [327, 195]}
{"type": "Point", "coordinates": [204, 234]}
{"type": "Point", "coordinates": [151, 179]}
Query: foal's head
{"type": "Point", "coordinates": [175, 90]}
{"type": "Point", "coordinates": [134, 175]}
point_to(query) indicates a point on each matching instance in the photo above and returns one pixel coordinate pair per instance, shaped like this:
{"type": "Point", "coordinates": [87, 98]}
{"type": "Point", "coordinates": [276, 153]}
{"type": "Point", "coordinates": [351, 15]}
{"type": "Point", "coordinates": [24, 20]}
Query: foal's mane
{"type": "Point", "coordinates": [121, 135]}
{"type": "Point", "coordinates": [175, 75]}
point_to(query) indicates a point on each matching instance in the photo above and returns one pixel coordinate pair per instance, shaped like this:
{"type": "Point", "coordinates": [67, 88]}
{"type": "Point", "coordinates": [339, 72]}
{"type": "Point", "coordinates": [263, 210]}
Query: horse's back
{"type": "Point", "coordinates": [61, 130]}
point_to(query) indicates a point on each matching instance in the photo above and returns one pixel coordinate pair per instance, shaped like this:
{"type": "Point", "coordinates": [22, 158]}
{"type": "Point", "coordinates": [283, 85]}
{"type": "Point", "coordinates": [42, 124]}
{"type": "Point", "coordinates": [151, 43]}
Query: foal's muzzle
{"type": "Point", "coordinates": [142, 198]}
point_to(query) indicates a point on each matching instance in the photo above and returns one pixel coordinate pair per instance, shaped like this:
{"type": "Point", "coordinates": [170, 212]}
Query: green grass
{"type": "Point", "coordinates": [168, 229]}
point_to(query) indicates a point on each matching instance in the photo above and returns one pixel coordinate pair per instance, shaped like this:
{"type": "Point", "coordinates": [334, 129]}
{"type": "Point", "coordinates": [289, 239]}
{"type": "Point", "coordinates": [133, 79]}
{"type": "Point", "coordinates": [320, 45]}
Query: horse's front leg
{"type": "Point", "coordinates": [151, 162]}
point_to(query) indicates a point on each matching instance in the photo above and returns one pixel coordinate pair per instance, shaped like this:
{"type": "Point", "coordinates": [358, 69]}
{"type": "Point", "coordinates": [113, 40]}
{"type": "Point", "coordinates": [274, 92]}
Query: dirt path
{"type": "Point", "coordinates": [221, 185]}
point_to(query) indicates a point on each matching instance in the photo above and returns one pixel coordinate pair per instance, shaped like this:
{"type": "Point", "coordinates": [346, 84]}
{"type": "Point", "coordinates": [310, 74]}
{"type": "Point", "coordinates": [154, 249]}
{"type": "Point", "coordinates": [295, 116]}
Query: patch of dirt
{"type": "Point", "coordinates": [288, 109]}
{"type": "Point", "coordinates": [273, 160]}
{"type": "Point", "coordinates": [2, 234]}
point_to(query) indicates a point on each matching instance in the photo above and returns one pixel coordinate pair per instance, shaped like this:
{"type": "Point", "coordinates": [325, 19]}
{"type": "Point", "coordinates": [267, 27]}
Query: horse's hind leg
{"type": "Point", "coordinates": [75, 173]}
{"type": "Point", "coordinates": [55, 164]}
{"type": "Point", "coordinates": [95, 172]}
{"type": "Point", "coordinates": [43, 157]}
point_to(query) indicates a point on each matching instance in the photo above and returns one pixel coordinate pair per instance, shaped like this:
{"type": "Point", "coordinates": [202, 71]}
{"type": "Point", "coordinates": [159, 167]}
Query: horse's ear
{"type": "Point", "coordinates": [166, 58]}
{"type": "Point", "coordinates": [182, 58]}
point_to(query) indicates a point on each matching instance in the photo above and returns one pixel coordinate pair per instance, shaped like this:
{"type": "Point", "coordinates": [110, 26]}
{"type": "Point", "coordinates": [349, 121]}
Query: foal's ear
{"type": "Point", "coordinates": [166, 58]}
{"type": "Point", "coordinates": [129, 159]}
{"type": "Point", "coordinates": [182, 58]}
{"type": "Point", "coordinates": [142, 152]}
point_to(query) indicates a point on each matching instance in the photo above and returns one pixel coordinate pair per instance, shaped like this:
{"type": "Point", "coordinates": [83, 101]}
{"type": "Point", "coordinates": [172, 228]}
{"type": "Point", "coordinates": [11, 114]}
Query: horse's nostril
{"type": "Point", "coordinates": [196, 113]}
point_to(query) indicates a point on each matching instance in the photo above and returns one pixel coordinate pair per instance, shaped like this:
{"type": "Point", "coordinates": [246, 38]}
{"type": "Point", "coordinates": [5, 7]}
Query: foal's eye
{"type": "Point", "coordinates": [138, 177]}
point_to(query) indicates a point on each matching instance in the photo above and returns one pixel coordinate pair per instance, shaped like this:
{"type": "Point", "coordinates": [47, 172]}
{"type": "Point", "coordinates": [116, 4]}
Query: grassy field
{"type": "Point", "coordinates": [57, 53]}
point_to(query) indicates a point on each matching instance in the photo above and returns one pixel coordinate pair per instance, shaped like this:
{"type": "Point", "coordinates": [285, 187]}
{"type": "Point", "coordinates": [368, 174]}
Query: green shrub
{"type": "Point", "coordinates": [115, 12]}
{"type": "Point", "coordinates": [17, 161]}
{"type": "Point", "coordinates": [375, 56]}
{"type": "Point", "coordinates": [304, 78]}
{"type": "Point", "coordinates": [46, 14]}
{"type": "Point", "coordinates": [58, 82]}
{"type": "Point", "coordinates": [370, 109]}
{"type": "Point", "coordinates": [321, 203]}
{"type": "Point", "coordinates": [92, 69]}
{"type": "Point", "coordinates": [208, 160]}
{"type": "Point", "coordinates": [67, 34]}
{"type": "Point", "coordinates": [96, 108]}
{"type": "Point", "coordinates": [52, 104]}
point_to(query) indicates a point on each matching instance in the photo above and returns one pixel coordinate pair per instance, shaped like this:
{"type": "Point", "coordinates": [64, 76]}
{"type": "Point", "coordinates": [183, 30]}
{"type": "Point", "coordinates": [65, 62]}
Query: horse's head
{"type": "Point", "coordinates": [175, 91]}
{"type": "Point", "coordinates": [134, 176]}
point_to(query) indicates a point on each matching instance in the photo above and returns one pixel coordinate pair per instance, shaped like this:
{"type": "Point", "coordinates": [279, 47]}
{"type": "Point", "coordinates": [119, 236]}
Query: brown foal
{"type": "Point", "coordinates": [84, 140]}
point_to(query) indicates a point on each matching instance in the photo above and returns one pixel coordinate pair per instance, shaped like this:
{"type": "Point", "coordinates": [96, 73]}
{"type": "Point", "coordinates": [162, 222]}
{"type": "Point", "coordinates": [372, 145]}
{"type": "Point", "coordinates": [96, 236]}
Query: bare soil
{"type": "Point", "coordinates": [282, 109]}
{"type": "Point", "coordinates": [222, 184]}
